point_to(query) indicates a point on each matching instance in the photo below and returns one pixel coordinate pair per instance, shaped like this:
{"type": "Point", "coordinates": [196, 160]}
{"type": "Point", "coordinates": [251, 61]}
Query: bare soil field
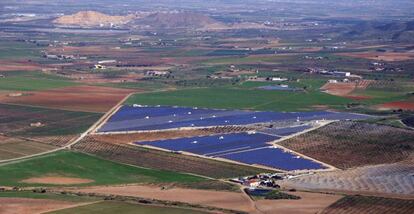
{"type": "Point", "coordinates": [362, 204]}
{"type": "Point", "coordinates": [345, 89]}
{"type": "Point", "coordinates": [162, 135]}
{"type": "Point", "coordinates": [352, 144]}
{"type": "Point", "coordinates": [27, 205]}
{"type": "Point", "coordinates": [405, 105]}
{"type": "Point", "coordinates": [156, 159]}
{"type": "Point", "coordinates": [382, 56]}
{"type": "Point", "coordinates": [76, 98]}
{"type": "Point", "coordinates": [309, 203]}
{"type": "Point", "coordinates": [19, 65]}
{"type": "Point", "coordinates": [388, 180]}
{"type": "Point", "coordinates": [57, 180]}
{"type": "Point", "coordinates": [226, 200]}
{"type": "Point", "coordinates": [339, 89]}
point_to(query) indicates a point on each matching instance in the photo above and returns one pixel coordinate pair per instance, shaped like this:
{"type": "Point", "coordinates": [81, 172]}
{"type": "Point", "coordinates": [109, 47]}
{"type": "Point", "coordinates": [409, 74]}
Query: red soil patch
{"type": "Point", "coordinates": [76, 98]}
{"type": "Point", "coordinates": [386, 56]}
{"type": "Point", "coordinates": [19, 65]}
{"type": "Point", "coordinates": [28, 205]}
{"type": "Point", "coordinates": [405, 105]}
{"type": "Point", "coordinates": [339, 89]}
{"type": "Point", "coordinates": [56, 180]}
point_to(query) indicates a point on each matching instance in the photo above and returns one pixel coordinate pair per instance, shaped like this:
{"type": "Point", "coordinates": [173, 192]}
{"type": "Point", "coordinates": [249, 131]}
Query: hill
{"type": "Point", "coordinates": [396, 31]}
{"type": "Point", "coordinates": [92, 18]}
{"type": "Point", "coordinates": [177, 20]}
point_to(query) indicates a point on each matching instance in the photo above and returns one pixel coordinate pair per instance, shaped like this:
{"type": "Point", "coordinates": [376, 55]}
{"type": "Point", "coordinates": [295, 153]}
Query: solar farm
{"type": "Point", "coordinates": [147, 118]}
{"type": "Point", "coordinates": [255, 147]}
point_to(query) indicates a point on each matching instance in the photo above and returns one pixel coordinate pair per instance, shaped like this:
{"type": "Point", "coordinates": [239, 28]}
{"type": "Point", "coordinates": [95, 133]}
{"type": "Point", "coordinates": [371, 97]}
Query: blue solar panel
{"type": "Point", "coordinates": [130, 118]}
{"type": "Point", "coordinates": [275, 158]}
{"type": "Point", "coordinates": [214, 145]}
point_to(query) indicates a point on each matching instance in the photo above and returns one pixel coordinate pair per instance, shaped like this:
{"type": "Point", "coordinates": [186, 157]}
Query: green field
{"type": "Point", "coordinates": [238, 98]}
{"type": "Point", "coordinates": [18, 50]}
{"type": "Point", "coordinates": [110, 207]}
{"type": "Point", "coordinates": [78, 165]}
{"type": "Point", "coordinates": [31, 84]}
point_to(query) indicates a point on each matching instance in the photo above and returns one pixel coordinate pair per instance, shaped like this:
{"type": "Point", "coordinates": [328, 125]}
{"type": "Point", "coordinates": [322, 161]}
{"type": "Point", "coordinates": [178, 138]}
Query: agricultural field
{"type": "Point", "coordinates": [361, 204]}
{"type": "Point", "coordinates": [354, 144]}
{"type": "Point", "coordinates": [73, 98]}
{"type": "Point", "coordinates": [165, 107]}
{"type": "Point", "coordinates": [17, 120]}
{"type": "Point", "coordinates": [122, 207]}
{"type": "Point", "coordinates": [31, 84]}
{"type": "Point", "coordinates": [72, 168]}
{"type": "Point", "coordinates": [232, 98]}
{"type": "Point", "coordinates": [15, 147]}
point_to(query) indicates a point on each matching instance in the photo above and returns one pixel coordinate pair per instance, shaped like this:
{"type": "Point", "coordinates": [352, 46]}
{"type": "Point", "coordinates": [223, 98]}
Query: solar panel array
{"type": "Point", "coordinates": [145, 118]}
{"type": "Point", "coordinates": [242, 147]}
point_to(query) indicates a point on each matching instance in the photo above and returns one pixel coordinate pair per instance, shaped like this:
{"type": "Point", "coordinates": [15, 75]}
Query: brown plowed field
{"type": "Point", "coordinates": [22, 65]}
{"type": "Point", "coordinates": [377, 205]}
{"type": "Point", "coordinates": [386, 56]}
{"type": "Point", "coordinates": [405, 105]}
{"type": "Point", "coordinates": [76, 98]}
{"type": "Point", "coordinates": [33, 206]}
{"type": "Point", "coordinates": [226, 200]}
{"type": "Point", "coordinates": [339, 89]}
{"type": "Point", "coordinates": [352, 144]}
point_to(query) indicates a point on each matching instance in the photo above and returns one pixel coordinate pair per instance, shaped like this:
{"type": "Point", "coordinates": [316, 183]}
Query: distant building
{"type": "Point", "coordinates": [107, 62]}
{"type": "Point", "coordinates": [278, 79]}
{"type": "Point", "coordinates": [157, 73]}
{"type": "Point", "coordinates": [100, 67]}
